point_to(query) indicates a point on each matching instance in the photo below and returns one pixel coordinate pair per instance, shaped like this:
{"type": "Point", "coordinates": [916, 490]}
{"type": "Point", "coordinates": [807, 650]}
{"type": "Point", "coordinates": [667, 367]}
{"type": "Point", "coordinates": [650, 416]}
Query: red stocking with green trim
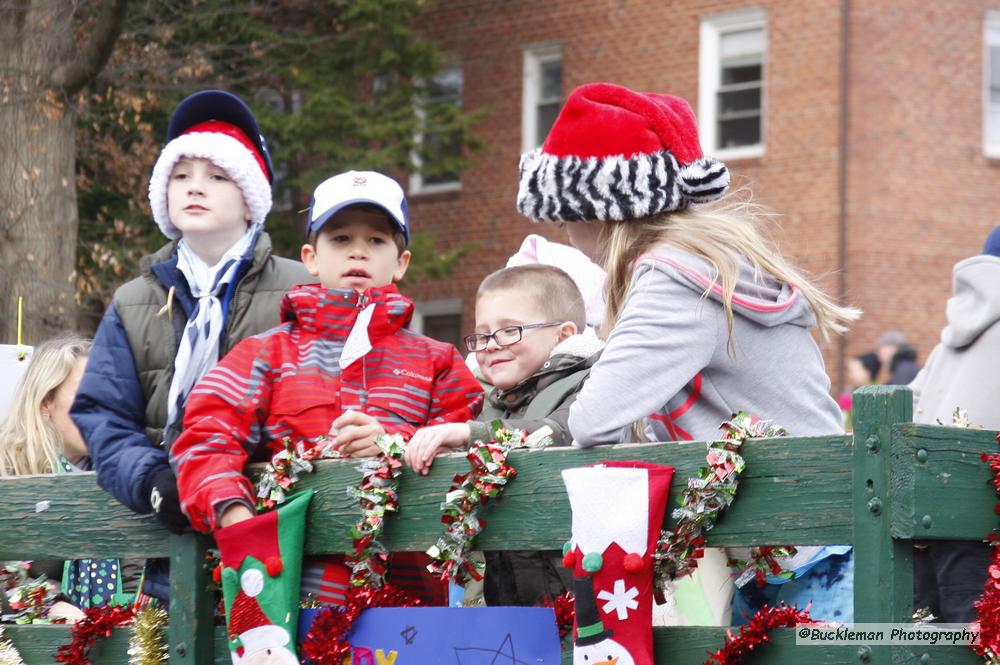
{"type": "Point", "coordinates": [261, 572]}
{"type": "Point", "coordinates": [618, 510]}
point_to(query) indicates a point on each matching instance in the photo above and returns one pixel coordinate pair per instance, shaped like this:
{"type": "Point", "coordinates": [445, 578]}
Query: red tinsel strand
{"type": "Point", "coordinates": [97, 622]}
{"type": "Point", "coordinates": [755, 633]}
{"type": "Point", "coordinates": [326, 642]}
{"type": "Point", "coordinates": [564, 606]}
{"type": "Point", "coordinates": [988, 605]}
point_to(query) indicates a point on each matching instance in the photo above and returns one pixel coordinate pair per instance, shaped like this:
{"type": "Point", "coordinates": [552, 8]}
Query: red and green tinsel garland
{"type": "Point", "coordinates": [378, 494]}
{"type": "Point", "coordinates": [763, 561]}
{"type": "Point", "coordinates": [705, 497]}
{"type": "Point", "coordinates": [326, 642]}
{"type": "Point", "coordinates": [754, 635]}
{"type": "Point", "coordinates": [281, 474]}
{"type": "Point", "coordinates": [460, 510]}
{"type": "Point", "coordinates": [97, 622]}
{"type": "Point", "coordinates": [988, 605]}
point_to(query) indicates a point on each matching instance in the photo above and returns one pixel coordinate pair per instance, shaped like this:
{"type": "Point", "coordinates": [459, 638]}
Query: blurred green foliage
{"type": "Point", "coordinates": [335, 84]}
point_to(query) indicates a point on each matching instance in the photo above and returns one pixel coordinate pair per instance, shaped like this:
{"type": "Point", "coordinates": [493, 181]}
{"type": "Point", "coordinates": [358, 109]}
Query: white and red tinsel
{"type": "Point", "coordinates": [377, 494]}
{"type": "Point", "coordinates": [988, 605]}
{"type": "Point", "coordinates": [460, 510]}
{"type": "Point", "coordinates": [754, 635]}
{"type": "Point", "coordinates": [704, 499]}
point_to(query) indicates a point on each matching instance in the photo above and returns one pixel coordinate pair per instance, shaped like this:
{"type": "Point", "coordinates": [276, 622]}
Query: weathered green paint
{"type": "Point", "coordinates": [883, 567]}
{"type": "Point", "coordinates": [817, 490]}
{"type": "Point", "coordinates": [192, 603]}
{"type": "Point", "coordinates": [949, 467]}
{"type": "Point", "coordinates": [534, 512]}
{"type": "Point", "coordinates": [67, 516]}
{"type": "Point", "coordinates": [687, 645]}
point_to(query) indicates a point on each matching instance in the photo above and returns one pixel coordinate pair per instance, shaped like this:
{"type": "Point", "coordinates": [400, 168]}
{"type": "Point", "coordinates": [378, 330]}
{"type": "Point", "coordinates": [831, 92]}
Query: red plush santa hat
{"type": "Point", "coordinates": [217, 126]}
{"type": "Point", "coordinates": [248, 623]}
{"type": "Point", "coordinates": [616, 154]}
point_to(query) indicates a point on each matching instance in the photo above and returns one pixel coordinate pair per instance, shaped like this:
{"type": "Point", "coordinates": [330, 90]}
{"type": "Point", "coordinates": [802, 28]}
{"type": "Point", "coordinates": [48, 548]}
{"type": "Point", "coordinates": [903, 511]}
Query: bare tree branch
{"type": "Point", "coordinates": [71, 77]}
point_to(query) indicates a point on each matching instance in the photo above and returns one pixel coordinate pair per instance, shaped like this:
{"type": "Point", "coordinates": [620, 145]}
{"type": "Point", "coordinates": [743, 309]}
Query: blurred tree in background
{"type": "Point", "coordinates": [50, 52]}
{"type": "Point", "coordinates": [335, 84]}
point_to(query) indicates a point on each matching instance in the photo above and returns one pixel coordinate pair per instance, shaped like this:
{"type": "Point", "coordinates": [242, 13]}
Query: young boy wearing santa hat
{"type": "Point", "coordinates": [215, 283]}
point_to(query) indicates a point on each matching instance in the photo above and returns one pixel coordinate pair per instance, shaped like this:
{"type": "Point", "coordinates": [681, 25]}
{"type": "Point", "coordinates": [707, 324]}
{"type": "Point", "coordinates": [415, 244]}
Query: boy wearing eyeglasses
{"type": "Point", "coordinates": [343, 365]}
{"type": "Point", "coordinates": [529, 347]}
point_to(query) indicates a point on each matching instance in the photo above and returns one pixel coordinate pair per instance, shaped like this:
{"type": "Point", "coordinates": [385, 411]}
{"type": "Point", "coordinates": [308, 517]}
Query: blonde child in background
{"type": "Point", "coordinates": [37, 437]}
{"type": "Point", "coordinates": [704, 315]}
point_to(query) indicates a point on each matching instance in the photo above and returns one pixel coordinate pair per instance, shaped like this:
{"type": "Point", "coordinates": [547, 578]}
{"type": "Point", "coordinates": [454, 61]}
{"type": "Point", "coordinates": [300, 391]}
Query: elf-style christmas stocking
{"type": "Point", "coordinates": [618, 510]}
{"type": "Point", "coordinates": [261, 571]}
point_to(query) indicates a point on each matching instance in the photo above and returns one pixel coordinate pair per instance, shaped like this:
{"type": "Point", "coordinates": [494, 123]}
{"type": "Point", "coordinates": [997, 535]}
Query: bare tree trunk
{"type": "Point", "coordinates": [42, 70]}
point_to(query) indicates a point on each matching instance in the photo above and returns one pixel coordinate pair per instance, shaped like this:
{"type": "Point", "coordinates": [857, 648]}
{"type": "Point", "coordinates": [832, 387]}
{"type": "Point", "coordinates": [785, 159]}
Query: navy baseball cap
{"type": "Point", "coordinates": [220, 106]}
{"type": "Point", "coordinates": [355, 188]}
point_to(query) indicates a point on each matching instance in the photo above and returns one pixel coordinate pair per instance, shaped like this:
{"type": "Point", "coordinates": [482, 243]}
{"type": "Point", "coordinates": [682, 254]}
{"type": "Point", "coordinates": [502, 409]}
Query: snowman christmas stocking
{"type": "Point", "coordinates": [261, 571]}
{"type": "Point", "coordinates": [618, 510]}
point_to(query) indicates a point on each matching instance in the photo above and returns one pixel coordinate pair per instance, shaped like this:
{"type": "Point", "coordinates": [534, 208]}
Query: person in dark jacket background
{"type": "Point", "coordinates": [214, 284]}
{"type": "Point", "coordinates": [963, 371]}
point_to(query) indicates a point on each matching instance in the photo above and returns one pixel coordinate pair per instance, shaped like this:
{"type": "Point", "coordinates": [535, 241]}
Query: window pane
{"type": "Point", "coordinates": [993, 124]}
{"type": "Point", "coordinates": [741, 43]}
{"type": "Point", "coordinates": [739, 132]}
{"type": "Point", "coordinates": [445, 328]}
{"type": "Point", "coordinates": [546, 117]}
{"type": "Point", "coordinates": [739, 100]}
{"type": "Point", "coordinates": [551, 80]}
{"type": "Point", "coordinates": [994, 66]}
{"type": "Point", "coordinates": [741, 73]}
{"type": "Point", "coordinates": [446, 85]}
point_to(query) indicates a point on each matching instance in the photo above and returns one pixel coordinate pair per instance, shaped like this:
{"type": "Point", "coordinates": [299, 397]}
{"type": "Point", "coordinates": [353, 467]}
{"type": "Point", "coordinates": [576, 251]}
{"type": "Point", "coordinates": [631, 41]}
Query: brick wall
{"type": "Point", "coordinates": [918, 188]}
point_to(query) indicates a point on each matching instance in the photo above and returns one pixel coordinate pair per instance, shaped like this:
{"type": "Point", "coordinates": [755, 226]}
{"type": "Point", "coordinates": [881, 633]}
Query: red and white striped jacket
{"type": "Point", "coordinates": [288, 382]}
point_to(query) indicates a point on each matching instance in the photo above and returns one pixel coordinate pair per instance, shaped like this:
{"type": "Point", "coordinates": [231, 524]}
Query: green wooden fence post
{"type": "Point", "coordinates": [192, 603]}
{"type": "Point", "coordinates": [883, 567]}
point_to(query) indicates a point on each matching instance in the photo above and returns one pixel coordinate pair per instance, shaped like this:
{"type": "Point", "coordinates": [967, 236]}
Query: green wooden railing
{"type": "Point", "coordinates": [878, 489]}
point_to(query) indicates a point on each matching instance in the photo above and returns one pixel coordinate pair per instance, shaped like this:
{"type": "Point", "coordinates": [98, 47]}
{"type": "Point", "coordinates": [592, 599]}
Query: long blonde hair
{"type": "Point", "coordinates": [726, 233]}
{"type": "Point", "coordinates": [30, 443]}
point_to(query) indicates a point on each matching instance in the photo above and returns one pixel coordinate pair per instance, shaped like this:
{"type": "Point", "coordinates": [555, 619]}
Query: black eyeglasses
{"type": "Point", "coordinates": [504, 336]}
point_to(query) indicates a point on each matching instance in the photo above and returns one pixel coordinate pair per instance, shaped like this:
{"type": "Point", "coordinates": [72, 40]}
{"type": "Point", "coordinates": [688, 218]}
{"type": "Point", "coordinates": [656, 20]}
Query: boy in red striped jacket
{"type": "Point", "coordinates": [342, 363]}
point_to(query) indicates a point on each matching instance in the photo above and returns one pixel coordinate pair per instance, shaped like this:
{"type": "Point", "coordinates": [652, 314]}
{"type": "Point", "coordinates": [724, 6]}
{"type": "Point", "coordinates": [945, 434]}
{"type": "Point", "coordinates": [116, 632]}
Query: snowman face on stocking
{"type": "Point", "coordinates": [605, 652]}
{"type": "Point", "coordinates": [618, 512]}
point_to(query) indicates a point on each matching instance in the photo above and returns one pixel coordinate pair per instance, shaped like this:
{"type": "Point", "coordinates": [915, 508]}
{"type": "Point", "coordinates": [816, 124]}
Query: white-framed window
{"type": "Point", "coordinates": [543, 93]}
{"type": "Point", "coordinates": [432, 142]}
{"type": "Point", "coordinates": [991, 84]}
{"type": "Point", "coordinates": [731, 84]}
{"type": "Point", "coordinates": [441, 320]}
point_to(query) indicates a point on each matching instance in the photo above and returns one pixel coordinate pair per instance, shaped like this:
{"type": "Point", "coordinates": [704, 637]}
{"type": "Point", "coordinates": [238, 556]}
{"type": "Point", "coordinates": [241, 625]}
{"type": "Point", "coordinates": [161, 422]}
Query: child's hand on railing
{"type": "Point", "coordinates": [428, 442]}
{"type": "Point", "coordinates": [355, 434]}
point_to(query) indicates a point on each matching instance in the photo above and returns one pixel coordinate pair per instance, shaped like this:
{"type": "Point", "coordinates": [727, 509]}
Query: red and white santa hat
{"type": "Point", "coordinates": [614, 154]}
{"type": "Point", "coordinates": [217, 126]}
{"type": "Point", "coordinates": [248, 623]}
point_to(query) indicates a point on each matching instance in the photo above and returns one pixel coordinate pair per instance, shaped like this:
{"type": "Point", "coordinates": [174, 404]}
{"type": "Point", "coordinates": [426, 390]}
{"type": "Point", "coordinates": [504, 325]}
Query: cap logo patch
{"type": "Point", "coordinates": [360, 180]}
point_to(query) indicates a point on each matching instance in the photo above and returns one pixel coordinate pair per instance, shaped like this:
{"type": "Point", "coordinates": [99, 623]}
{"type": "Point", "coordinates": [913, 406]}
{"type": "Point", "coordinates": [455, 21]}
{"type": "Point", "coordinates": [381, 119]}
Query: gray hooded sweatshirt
{"type": "Point", "coordinates": [964, 369]}
{"type": "Point", "coordinates": [668, 359]}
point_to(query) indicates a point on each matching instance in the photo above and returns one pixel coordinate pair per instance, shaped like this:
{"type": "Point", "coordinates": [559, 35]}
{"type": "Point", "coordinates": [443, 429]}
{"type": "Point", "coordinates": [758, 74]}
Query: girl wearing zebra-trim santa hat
{"type": "Point", "coordinates": [704, 316]}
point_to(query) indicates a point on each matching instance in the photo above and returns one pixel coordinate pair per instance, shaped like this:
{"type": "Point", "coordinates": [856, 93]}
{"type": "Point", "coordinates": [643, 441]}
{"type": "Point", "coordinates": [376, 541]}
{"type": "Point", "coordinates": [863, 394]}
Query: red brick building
{"type": "Point", "coordinates": [869, 126]}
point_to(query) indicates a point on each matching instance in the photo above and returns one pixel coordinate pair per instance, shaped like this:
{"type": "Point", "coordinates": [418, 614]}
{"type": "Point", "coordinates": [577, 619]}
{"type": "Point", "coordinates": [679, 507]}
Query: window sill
{"type": "Point", "coordinates": [743, 152]}
{"type": "Point", "coordinates": [440, 188]}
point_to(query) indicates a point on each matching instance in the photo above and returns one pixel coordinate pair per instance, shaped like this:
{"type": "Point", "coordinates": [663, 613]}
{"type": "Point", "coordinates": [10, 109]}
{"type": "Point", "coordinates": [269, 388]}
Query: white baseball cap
{"type": "Point", "coordinates": [358, 187]}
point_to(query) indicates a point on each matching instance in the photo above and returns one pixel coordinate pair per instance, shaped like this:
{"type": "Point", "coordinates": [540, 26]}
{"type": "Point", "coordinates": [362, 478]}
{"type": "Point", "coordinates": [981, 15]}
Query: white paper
{"type": "Point", "coordinates": [11, 371]}
{"type": "Point", "coordinates": [358, 343]}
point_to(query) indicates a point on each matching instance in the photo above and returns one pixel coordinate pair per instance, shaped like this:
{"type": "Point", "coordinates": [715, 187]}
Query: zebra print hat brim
{"type": "Point", "coordinates": [615, 188]}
